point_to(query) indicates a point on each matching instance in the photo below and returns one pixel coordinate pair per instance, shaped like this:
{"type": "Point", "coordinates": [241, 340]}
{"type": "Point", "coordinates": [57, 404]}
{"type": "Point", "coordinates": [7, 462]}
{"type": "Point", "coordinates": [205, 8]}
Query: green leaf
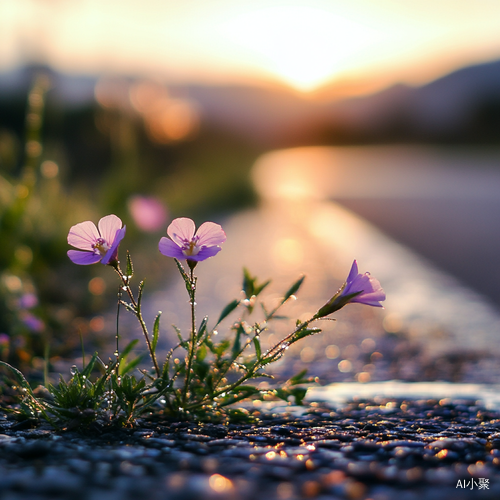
{"type": "Point", "coordinates": [248, 283]}
{"type": "Point", "coordinates": [299, 378]}
{"type": "Point", "coordinates": [203, 328]}
{"type": "Point", "coordinates": [238, 394]}
{"type": "Point", "coordinates": [17, 375]}
{"type": "Point", "coordinates": [258, 350]}
{"type": "Point", "coordinates": [130, 267]}
{"type": "Point", "coordinates": [166, 367]}
{"type": "Point", "coordinates": [201, 369]}
{"type": "Point", "coordinates": [228, 310]}
{"type": "Point", "coordinates": [305, 333]}
{"type": "Point", "coordinates": [220, 348]}
{"type": "Point", "coordinates": [130, 366]}
{"type": "Point", "coordinates": [139, 295]}
{"type": "Point", "coordinates": [293, 289]}
{"type": "Point", "coordinates": [299, 393]}
{"type": "Point", "coordinates": [236, 350]}
{"type": "Point", "coordinates": [201, 353]}
{"type": "Point", "coordinates": [127, 350]}
{"type": "Point", "coordinates": [183, 343]}
{"type": "Point", "coordinates": [156, 331]}
{"type": "Point", "coordinates": [250, 286]}
{"type": "Point", "coordinates": [88, 369]}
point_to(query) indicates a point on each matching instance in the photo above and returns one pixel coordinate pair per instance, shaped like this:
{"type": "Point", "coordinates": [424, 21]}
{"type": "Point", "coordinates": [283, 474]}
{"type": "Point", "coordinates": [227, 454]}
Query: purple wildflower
{"type": "Point", "coordinates": [98, 244]}
{"type": "Point", "coordinates": [32, 322]}
{"type": "Point", "coordinates": [360, 288]}
{"type": "Point", "coordinates": [28, 301]}
{"type": "Point", "coordinates": [185, 244]}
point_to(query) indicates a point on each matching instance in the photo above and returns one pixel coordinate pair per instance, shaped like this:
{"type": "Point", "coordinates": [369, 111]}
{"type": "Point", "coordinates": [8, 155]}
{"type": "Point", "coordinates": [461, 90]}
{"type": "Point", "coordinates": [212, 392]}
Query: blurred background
{"type": "Point", "coordinates": [157, 109]}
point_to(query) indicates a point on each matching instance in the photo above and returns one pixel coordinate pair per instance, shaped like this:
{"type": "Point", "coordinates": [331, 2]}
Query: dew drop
{"type": "Point", "coordinates": [73, 370]}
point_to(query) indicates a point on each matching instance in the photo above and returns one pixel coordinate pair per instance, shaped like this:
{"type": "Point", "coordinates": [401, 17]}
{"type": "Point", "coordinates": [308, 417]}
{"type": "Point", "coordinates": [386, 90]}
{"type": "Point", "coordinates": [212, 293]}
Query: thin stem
{"type": "Point", "coordinates": [279, 346]}
{"type": "Point", "coordinates": [192, 340]}
{"type": "Point", "coordinates": [224, 371]}
{"type": "Point", "coordinates": [117, 353]}
{"type": "Point", "coordinates": [138, 314]}
{"type": "Point", "coordinates": [271, 353]}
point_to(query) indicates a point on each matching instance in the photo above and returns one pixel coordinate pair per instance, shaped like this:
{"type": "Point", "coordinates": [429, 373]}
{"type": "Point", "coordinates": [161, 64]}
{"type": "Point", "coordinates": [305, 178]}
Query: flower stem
{"type": "Point", "coordinates": [267, 358]}
{"type": "Point", "coordinates": [138, 314]}
{"type": "Point", "coordinates": [192, 340]}
{"type": "Point", "coordinates": [276, 349]}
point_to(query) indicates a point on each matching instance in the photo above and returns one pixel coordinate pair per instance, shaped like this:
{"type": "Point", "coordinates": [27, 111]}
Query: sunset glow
{"type": "Point", "coordinates": [304, 44]}
{"type": "Point", "coordinates": [305, 47]}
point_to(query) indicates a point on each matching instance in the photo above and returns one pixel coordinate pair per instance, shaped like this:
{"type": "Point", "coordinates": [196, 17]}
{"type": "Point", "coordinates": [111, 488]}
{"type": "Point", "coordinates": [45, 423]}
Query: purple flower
{"type": "Point", "coordinates": [28, 301]}
{"type": "Point", "coordinates": [98, 245]}
{"type": "Point", "coordinates": [185, 244]}
{"type": "Point", "coordinates": [32, 322]}
{"type": "Point", "coordinates": [360, 288]}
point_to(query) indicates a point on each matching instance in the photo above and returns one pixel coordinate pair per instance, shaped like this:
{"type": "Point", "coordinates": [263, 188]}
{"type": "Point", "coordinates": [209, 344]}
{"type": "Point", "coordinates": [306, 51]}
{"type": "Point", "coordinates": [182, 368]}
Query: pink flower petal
{"type": "Point", "coordinates": [170, 249]}
{"type": "Point", "coordinates": [210, 234]}
{"type": "Point", "coordinates": [181, 229]}
{"type": "Point", "coordinates": [83, 258]}
{"type": "Point", "coordinates": [108, 227]}
{"type": "Point", "coordinates": [83, 235]}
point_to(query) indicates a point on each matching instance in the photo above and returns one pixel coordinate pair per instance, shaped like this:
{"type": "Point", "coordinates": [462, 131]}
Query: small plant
{"type": "Point", "coordinates": [201, 377]}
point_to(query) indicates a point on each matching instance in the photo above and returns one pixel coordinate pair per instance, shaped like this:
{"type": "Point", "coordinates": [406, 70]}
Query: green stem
{"type": "Point", "coordinates": [271, 353]}
{"type": "Point", "coordinates": [192, 340]}
{"type": "Point", "coordinates": [223, 372]}
{"type": "Point", "coordinates": [117, 353]}
{"type": "Point", "coordinates": [276, 349]}
{"type": "Point", "coordinates": [138, 314]}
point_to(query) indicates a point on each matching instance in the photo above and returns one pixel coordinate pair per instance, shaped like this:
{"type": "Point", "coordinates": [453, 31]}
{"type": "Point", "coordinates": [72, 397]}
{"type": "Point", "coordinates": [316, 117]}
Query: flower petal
{"type": "Point", "coordinates": [204, 253]}
{"type": "Point", "coordinates": [365, 299]}
{"type": "Point", "coordinates": [108, 227]}
{"type": "Point", "coordinates": [83, 235]}
{"type": "Point", "coordinates": [170, 249]}
{"type": "Point", "coordinates": [353, 272]}
{"type": "Point", "coordinates": [210, 234]}
{"type": "Point", "coordinates": [181, 229]}
{"type": "Point", "coordinates": [83, 258]}
{"type": "Point", "coordinates": [112, 253]}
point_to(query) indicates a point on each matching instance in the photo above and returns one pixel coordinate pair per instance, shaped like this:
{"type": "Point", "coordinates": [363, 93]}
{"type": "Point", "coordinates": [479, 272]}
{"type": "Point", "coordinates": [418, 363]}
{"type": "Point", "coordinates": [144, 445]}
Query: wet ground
{"type": "Point", "coordinates": [373, 449]}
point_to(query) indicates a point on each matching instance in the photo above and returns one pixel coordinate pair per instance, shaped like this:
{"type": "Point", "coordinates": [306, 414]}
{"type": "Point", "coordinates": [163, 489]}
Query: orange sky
{"type": "Point", "coordinates": [304, 44]}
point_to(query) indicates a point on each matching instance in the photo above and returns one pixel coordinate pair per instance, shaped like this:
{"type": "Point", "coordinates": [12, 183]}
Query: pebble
{"type": "Point", "coordinates": [354, 453]}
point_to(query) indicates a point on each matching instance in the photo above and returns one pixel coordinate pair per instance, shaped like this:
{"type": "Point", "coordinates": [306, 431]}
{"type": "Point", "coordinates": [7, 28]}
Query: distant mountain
{"type": "Point", "coordinates": [462, 106]}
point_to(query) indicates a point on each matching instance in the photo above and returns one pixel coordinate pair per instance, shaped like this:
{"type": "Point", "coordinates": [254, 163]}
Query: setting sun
{"type": "Point", "coordinates": [303, 46]}
{"type": "Point", "coordinates": [360, 44]}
